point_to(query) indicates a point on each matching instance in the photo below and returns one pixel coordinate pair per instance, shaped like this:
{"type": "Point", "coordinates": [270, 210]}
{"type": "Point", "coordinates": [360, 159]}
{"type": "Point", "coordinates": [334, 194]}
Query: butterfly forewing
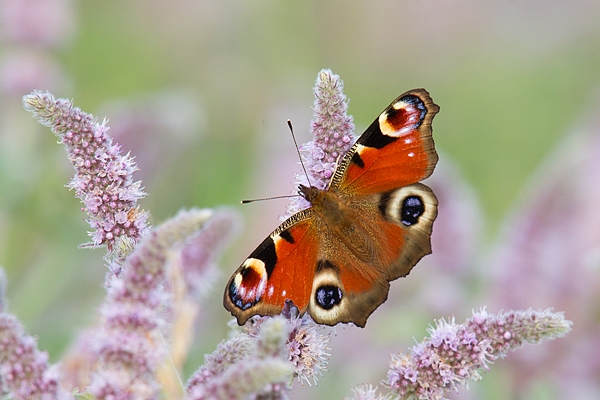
{"type": "Point", "coordinates": [396, 149]}
{"type": "Point", "coordinates": [275, 272]}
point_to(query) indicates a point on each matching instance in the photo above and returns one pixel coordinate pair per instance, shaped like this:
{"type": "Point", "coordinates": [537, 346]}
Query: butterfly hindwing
{"type": "Point", "coordinates": [413, 208]}
{"type": "Point", "coordinates": [396, 226]}
{"type": "Point", "coordinates": [345, 291]}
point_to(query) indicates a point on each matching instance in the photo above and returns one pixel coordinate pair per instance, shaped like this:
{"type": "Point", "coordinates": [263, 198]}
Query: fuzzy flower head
{"type": "Point", "coordinates": [103, 175]}
{"type": "Point", "coordinates": [368, 392]}
{"type": "Point", "coordinates": [333, 132]}
{"type": "Point", "coordinates": [250, 365]}
{"type": "Point", "coordinates": [23, 368]}
{"type": "Point", "coordinates": [455, 354]}
{"type": "Point", "coordinates": [307, 346]}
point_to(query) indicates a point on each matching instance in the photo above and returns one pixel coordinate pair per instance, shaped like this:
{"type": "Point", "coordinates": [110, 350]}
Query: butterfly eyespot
{"type": "Point", "coordinates": [402, 117]}
{"type": "Point", "coordinates": [237, 300]}
{"type": "Point", "coordinates": [248, 285]}
{"type": "Point", "coordinates": [417, 103]}
{"type": "Point", "coordinates": [405, 206]}
{"type": "Point", "coordinates": [328, 296]}
{"type": "Point", "coordinates": [412, 209]}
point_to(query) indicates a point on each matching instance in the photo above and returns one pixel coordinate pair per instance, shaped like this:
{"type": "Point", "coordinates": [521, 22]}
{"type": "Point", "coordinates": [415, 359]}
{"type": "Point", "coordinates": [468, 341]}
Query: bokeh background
{"type": "Point", "coordinates": [199, 92]}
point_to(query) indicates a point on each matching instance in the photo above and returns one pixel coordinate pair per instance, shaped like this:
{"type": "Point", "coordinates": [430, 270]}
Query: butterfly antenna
{"type": "Point", "coordinates": [289, 196]}
{"type": "Point", "coordinates": [270, 198]}
{"type": "Point", "coordinates": [298, 151]}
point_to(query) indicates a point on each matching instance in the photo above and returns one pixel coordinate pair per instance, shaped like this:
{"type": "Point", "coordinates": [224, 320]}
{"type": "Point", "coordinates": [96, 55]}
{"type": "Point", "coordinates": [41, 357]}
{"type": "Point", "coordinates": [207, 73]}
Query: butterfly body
{"type": "Point", "coordinates": [335, 219]}
{"type": "Point", "coordinates": [370, 226]}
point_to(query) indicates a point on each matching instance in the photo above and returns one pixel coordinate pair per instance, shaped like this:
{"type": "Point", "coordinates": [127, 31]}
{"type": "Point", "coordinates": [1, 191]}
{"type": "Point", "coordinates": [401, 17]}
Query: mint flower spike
{"type": "Point", "coordinates": [307, 346]}
{"type": "Point", "coordinates": [198, 255]}
{"type": "Point", "coordinates": [130, 345]}
{"type": "Point", "coordinates": [333, 132]}
{"type": "Point", "coordinates": [248, 364]}
{"type": "Point", "coordinates": [103, 178]}
{"type": "Point", "coordinates": [24, 369]}
{"type": "Point", "coordinates": [455, 354]}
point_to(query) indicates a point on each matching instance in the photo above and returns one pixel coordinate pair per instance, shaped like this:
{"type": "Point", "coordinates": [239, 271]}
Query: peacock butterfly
{"type": "Point", "coordinates": [372, 224]}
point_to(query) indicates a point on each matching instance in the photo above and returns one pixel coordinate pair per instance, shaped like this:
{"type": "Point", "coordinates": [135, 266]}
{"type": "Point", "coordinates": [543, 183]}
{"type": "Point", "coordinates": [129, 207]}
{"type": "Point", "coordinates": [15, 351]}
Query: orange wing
{"type": "Point", "coordinates": [282, 267]}
{"type": "Point", "coordinates": [396, 149]}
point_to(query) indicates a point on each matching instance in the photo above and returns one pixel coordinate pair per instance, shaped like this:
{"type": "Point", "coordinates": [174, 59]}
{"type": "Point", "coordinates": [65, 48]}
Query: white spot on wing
{"type": "Point", "coordinates": [237, 281]}
{"type": "Point", "coordinates": [399, 104]}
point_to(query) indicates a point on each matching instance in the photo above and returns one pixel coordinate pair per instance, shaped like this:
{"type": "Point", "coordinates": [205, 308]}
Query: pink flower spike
{"type": "Point", "coordinates": [199, 253]}
{"type": "Point", "coordinates": [24, 369]}
{"type": "Point", "coordinates": [333, 132]}
{"type": "Point", "coordinates": [248, 364]}
{"type": "Point", "coordinates": [227, 353]}
{"type": "Point", "coordinates": [130, 346]}
{"type": "Point", "coordinates": [307, 346]}
{"type": "Point", "coordinates": [455, 354]}
{"type": "Point", "coordinates": [244, 379]}
{"type": "Point", "coordinates": [103, 178]}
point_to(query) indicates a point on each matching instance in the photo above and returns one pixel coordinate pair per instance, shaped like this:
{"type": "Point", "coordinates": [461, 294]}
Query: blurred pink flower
{"type": "Point", "coordinates": [24, 370]}
{"type": "Point", "coordinates": [25, 70]}
{"type": "Point", "coordinates": [249, 364]}
{"type": "Point", "coordinates": [129, 342]}
{"type": "Point", "coordinates": [456, 237]}
{"type": "Point", "coordinates": [156, 128]}
{"type": "Point", "coordinates": [549, 256]}
{"type": "Point", "coordinates": [197, 256]}
{"type": "Point", "coordinates": [48, 23]}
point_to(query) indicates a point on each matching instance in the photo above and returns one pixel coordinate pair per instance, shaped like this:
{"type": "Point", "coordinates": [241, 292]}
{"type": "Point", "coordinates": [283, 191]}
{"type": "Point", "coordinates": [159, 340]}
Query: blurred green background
{"type": "Point", "coordinates": [511, 77]}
